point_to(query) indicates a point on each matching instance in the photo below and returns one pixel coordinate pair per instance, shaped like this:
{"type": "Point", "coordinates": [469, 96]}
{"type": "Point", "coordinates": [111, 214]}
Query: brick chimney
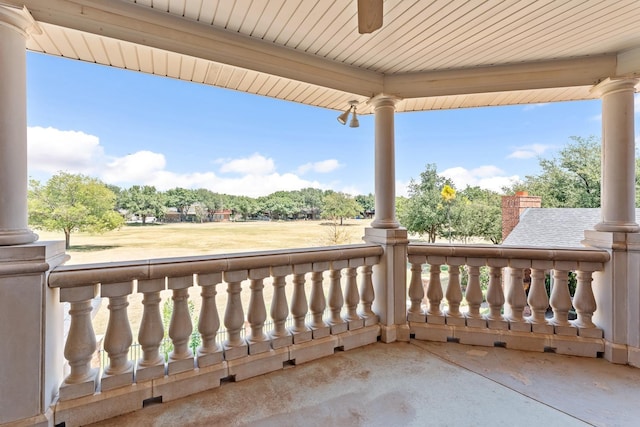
{"type": "Point", "coordinates": [513, 207]}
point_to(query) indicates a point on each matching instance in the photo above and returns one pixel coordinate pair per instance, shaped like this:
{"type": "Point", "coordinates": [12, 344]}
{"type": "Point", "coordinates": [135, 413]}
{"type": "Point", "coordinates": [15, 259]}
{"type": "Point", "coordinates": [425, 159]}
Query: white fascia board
{"type": "Point", "coordinates": [503, 78]}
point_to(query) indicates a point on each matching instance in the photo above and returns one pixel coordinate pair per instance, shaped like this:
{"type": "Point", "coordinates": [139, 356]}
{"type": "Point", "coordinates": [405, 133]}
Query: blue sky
{"type": "Point", "coordinates": [130, 128]}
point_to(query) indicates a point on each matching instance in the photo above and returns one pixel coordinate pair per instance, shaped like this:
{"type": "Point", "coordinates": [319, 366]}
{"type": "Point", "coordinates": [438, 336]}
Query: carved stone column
{"type": "Point", "coordinates": [385, 167]}
{"type": "Point", "coordinates": [617, 288]}
{"type": "Point", "coordinates": [618, 156]}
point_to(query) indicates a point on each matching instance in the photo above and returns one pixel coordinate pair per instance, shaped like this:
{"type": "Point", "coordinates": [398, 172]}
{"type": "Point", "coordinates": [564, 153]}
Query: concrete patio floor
{"type": "Point", "coordinates": [416, 384]}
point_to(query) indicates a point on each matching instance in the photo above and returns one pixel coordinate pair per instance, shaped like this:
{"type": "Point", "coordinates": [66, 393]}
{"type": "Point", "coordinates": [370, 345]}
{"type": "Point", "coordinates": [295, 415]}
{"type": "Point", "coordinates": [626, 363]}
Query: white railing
{"type": "Point", "coordinates": [330, 292]}
{"type": "Point", "coordinates": [435, 313]}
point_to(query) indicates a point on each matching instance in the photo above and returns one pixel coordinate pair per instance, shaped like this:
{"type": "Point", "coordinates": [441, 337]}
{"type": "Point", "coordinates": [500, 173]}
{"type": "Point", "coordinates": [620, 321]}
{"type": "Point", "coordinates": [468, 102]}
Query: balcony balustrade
{"type": "Point", "coordinates": [435, 315]}
{"type": "Point", "coordinates": [317, 328]}
{"type": "Point", "coordinates": [259, 312]}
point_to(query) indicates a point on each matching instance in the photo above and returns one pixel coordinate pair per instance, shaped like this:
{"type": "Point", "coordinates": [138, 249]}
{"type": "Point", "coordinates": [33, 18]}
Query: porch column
{"type": "Point", "coordinates": [385, 163]}
{"type": "Point", "coordinates": [618, 156]}
{"type": "Point", "coordinates": [390, 275]}
{"type": "Point", "coordinates": [617, 288]}
{"type": "Point", "coordinates": [31, 318]}
{"type": "Point", "coordinates": [14, 25]}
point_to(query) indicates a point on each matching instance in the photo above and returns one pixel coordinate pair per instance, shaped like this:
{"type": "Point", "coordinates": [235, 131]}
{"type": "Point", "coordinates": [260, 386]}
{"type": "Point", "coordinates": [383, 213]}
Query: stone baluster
{"type": "Point", "coordinates": [416, 290]}
{"type": "Point", "coordinates": [235, 346]}
{"type": "Point", "coordinates": [516, 296]}
{"type": "Point", "coordinates": [473, 294]}
{"type": "Point", "coordinates": [495, 294]}
{"type": "Point", "coordinates": [118, 338]}
{"type": "Point", "coordinates": [538, 299]}
{"type": "Point", "coordinates": [336, 299]}
{"type": "Point", "coordinates": [454, 293]}
{"type": "Point", "coordinates": [585, 302]}
{"type": "Point", "coordinates": [317, 301]}
{"type": "Point", "coordinates": [209, 352]}
{"type": "Point", "coordinates": [434, 291]}
{"type": "Point", "coordinates": [299, 307]}
{"type": "Point", "coordinates": [367, 293]}
{"type": "Point", "coordinates": [81, 343]}
{"type": "Point", "coordinates": [258, 341]}
{"type": "Point", "coordinates": [280, 335]}
{"type": "Point", "coordinates": [151, 333]}
{"type": "Point", "coordinates": [352, 296]}
{"type": "Point", "coordinates": [180, 327]}
{"type": "Point", "coordinates": [560, 299]}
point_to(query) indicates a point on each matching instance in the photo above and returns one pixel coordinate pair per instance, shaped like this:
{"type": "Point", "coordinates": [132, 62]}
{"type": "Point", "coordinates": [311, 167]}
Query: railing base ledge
{"type": "Point", "coordinates": [259, 364]}
{"type": "Point", "coordinates": [98, 407]}
{"type": "Point", "coordinates": [312, 350]}
{"type": "Point", "coordinates": [363, 336]}
{"type": "Point", "coordinates": [190, 382]}
{"type": "Point", "coordinates": [526, 341]}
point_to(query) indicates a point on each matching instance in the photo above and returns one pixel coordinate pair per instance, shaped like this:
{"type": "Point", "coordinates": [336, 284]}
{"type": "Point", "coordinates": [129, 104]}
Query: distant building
{"type": "Point", "coordinates": [221, 215]}
{"type": "Point", "coordinates": [553, 227]}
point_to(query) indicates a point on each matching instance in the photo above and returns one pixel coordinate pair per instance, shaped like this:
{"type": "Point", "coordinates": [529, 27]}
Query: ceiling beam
{"type": "Point", "coordinates": [629, 63]}
{"type": "Point", "coordinates": [145, 26]}
{"type": "Point", "coordinates": [503, 78]}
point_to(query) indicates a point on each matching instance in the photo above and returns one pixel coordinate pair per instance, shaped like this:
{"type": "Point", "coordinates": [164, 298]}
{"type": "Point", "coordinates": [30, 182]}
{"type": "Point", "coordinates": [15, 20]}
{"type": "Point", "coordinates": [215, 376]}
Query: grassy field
{"type": "Point", "coordinates": [183, 239]}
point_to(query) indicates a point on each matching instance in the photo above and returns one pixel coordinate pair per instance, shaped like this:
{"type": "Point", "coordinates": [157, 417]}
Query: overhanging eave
{"type": "Point", "coordinates": [145, 26]}
{"type": "Point", "coordinates": [503, 78]}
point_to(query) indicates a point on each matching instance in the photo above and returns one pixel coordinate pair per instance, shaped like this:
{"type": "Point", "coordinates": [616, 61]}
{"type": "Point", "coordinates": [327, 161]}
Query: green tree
{"type": "Point", "coordinates": [143, 201]}
{"type": "Point", "coordinates": [339, 206]}
{"type": "Point", "coordinates": [181, 199]}
{"type": "Point", "coordinates": [478, 213]}
{"type": "Point", "coordinates": [245, 206]}
{"type": "Point", "coordinates": [571, 180]}
{"type": "Point", "coordinates": [282, 204]}
{"type": "Point", "coordinates": [71, 202]}
{"type": "Point", "coordinates": [312, 201]}
{"type": "Point", "coordinates": [367, 202]}
{"type": "Point", "coordinates": [423, 213]}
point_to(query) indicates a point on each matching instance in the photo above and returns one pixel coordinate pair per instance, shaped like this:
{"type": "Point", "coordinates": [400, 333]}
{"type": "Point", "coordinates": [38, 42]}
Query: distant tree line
{"type": "Point", "coordinates": [201, 205]}
{"type": "Point", "coordinates": [434, 208]}
{"type": "Point", "coordinates": [75, 202]}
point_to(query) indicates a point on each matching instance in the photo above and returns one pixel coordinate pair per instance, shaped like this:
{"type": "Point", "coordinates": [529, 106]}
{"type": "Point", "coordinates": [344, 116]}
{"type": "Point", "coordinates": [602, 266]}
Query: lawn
{"type": "Point", "coordinates": [183, 239]}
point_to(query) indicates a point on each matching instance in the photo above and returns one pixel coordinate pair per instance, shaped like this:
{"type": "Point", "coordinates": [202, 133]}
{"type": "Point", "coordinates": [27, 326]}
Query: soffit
{"type": "Point", "coordinates": [432, 54]}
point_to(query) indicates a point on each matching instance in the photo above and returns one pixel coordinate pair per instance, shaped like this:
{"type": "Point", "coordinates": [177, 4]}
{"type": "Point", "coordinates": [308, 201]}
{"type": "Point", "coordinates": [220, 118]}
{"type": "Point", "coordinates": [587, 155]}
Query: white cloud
{"type": "Point", "coordinates": [488, 177]}
{"type": "Point", "coordinates": [52, 150]}
{"type": "Point", "coordinates": [636, 103]}
{"type": "Point", "coordinates": [351, 190]}
{"type": "Point", "coordinates": [596, 118]}
{"type": "Point", "coordinates": [324, 166]}
{"type": "Point", "coordinates": [528, 151]}
{"type": "Point", "coordinates": [254, 185]}
{"type": "Point", "coordinates": [530, 107]}
{"type": "Point", "coordinates": [256, 164]}
{"type": "Point", "coordinates": [402, 188]}
{"type": "Point", "coordinates": [136, 167]}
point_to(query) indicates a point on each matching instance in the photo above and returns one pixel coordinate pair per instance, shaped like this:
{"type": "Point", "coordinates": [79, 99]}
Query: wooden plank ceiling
{"type": "Point", "coordinates": [436, 54]}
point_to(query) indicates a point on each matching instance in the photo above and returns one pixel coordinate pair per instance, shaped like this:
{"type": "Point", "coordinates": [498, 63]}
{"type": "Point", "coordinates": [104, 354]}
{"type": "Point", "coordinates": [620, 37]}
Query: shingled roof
{"type": "Point", "coordinates": [547, 227]}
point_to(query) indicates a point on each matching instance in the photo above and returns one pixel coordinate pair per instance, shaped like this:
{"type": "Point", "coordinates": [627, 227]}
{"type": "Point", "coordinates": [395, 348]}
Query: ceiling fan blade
{"type": "Point", "coordinates": [369, 15]}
